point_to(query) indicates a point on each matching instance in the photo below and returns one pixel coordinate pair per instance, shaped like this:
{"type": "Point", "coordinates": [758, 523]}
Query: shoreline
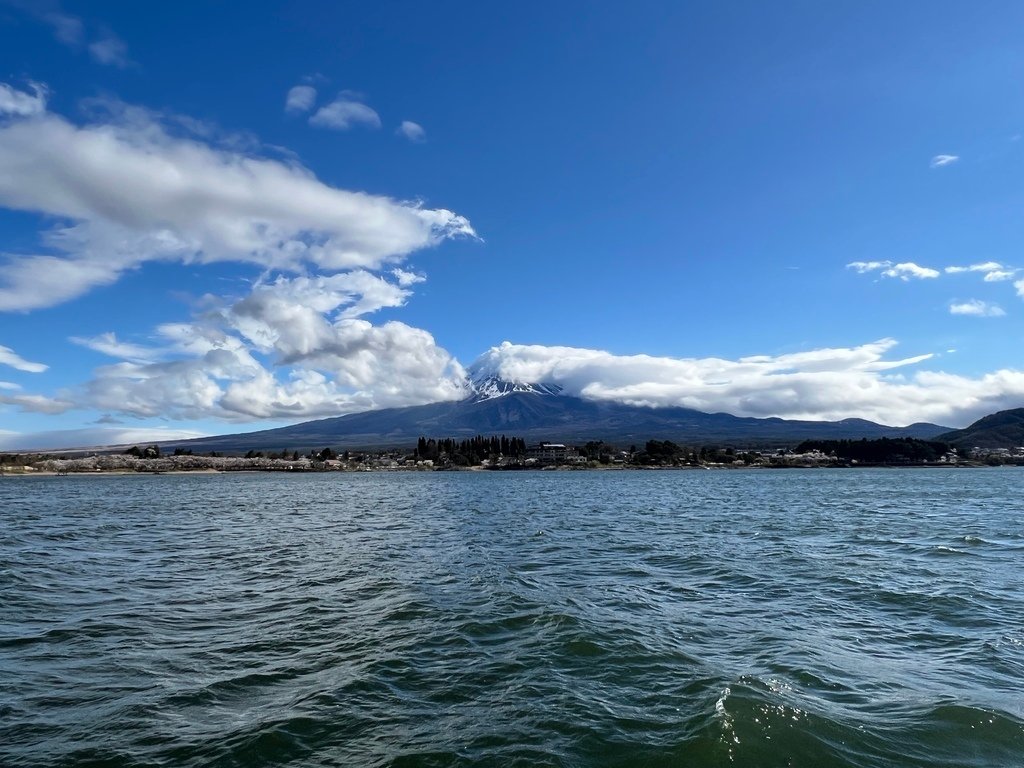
{"type": "Point", "coordinates": [549, 468]}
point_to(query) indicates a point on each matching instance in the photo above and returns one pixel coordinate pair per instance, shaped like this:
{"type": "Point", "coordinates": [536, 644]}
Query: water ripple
{"type": "Point", "coordinates": [733, 618]}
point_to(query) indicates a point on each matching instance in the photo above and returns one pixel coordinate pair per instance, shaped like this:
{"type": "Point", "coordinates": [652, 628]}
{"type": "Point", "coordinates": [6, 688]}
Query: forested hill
{"type": "Point", "coordinates": [884, 451]}
{"type": "Point", "coordinates": [1004, 429]}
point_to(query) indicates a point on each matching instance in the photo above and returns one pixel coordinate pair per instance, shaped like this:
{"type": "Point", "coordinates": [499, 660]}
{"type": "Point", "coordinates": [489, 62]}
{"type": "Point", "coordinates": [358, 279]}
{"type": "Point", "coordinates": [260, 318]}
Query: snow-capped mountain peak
{"type": "Point", "coordinates": [486, 386]}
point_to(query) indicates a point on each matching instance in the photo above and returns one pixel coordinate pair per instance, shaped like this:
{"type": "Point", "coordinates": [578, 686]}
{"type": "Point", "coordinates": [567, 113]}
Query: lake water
{"type": "Point", "coordinates": [704, 618]}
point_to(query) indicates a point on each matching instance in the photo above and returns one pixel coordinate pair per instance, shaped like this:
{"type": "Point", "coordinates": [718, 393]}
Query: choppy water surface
{"type": "Point", "coordinates": [806, 618]}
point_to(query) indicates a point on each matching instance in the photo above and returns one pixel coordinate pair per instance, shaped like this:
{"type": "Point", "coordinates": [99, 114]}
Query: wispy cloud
{"type": "Point", "coordinates": [906, 270]}
{"type": "Point", "coordinates": [103, 45]}
{"type": "Point", "coordinates": [1000, 275]}
{"type": "Point", "coordinates": [108, 344]}
{"type": "Point", "coordinates": [109, 49]}
{"type": "Point", "coordinates": [67, 29]}
{"type": "Point", "coordinates": [412, 131]}
{"type": "Point", "coordinates": [976, 308]}
{"type": "Point", "coordinates": [9, 357]}
{"type": "Point", "coordinates": [863, 267]}
{"type": "Point", "coordinates": [344, 113]}
{"type": "Point", "coordinates": [994, 271]}
{"type": "Point", "coordinates": [300, 98]}
{"type": "Point", "coordinates": [38, 403]}
{"type": "Point", "coordinates": [940, 161]}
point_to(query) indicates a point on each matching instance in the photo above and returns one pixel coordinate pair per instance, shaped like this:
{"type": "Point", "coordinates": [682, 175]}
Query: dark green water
{"type": "Point", "coordinates": [798, 618]}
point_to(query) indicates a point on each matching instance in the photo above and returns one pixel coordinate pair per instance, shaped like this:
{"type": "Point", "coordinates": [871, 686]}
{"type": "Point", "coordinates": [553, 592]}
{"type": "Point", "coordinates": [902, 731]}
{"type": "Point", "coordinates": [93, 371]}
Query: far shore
{"type": "Point", "coordinates": [20, 472]}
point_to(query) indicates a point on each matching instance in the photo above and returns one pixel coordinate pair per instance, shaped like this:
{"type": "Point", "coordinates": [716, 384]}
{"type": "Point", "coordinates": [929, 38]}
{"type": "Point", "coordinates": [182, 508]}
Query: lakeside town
{"type": "Point", "coordinates": [512, 454]}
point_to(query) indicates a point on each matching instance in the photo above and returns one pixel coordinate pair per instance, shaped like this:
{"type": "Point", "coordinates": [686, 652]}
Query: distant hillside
{"type": "Point", "coordinates": [1004, 429]}
{"type": "Point", "coordinates": [540, 413]}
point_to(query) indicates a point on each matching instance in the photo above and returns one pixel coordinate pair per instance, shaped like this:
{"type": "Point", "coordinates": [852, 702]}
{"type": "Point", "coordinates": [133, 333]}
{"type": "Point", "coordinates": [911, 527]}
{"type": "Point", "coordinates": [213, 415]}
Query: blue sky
{"type": "Point", "coordinates": [215, 218]}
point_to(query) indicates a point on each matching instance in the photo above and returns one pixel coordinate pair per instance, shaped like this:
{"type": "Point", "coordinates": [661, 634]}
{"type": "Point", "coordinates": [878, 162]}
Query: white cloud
{"type": "Point", "coordinates": [941, 160]}
{"type": "Point", "coordinates": [301, 98]}
{"type": "Point", "coordinates": [127, 191]}
{"type": "Point", "coordinates": [104, 46]}
{"type": "Point", "coordinates": [29, 282]}
{"type": "Point", "coordinates": [293, 348]}
{"type": "Point", "coordinates": [320, 363]}
{"type": "Point", "coordinates": [994, 271]}
{"type": "Point", "coordinates": [827, 384]}
{"type": "Point", "coordinates": [333, 368]}
{"type": "Point", "coordinates": [1000, 275]}
{"type": "Point", "coordinates": [1019, 285]}
{"type": "Point", "coordinates": [9, 357]}
{"type": "Point", "coordinates": [109, 49]}
{"type": "Point", "coordinates": [863, 267]}
{"type": "Point", "coordinates": [32, 403]}
{"type": "Point", "coordinates": [67, 29]}
{"type": "Point", "coordinates": [909, 269]}
{"type": "Point", "coordinates": [345, 112]}
{"type": "Point", "coordinates": [406, 278]}
{"type": "Point", "coordinates": [21, 104]}
{"type": "Point", "coordinates": [976, 308]}
{"type": "Point", "coordinates": [987, 266]}
{"type": "Point", "coordinates": [412, 131]}
{"type": "Point", "coordinates": [108, 344]}
{"type": "Point", "coordinates": [904, 271]}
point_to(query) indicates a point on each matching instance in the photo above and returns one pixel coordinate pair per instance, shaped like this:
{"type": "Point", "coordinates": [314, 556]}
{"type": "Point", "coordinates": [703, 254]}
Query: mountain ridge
{"type": "Point", "coordinates": [538, 412]}
{"type": "Point", "coordinates": [1002, 429]}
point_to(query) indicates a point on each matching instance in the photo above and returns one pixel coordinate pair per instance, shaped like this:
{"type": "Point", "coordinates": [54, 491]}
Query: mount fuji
{"type": "Point", "coordinates": [542, 411]}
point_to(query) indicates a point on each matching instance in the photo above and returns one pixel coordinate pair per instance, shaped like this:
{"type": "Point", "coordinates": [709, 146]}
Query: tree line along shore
{"type": "Point", "coordinates": [502, 453]}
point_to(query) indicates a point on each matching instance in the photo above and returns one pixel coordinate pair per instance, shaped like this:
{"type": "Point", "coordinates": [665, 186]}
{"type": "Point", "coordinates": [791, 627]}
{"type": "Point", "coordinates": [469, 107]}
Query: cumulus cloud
{"type": "Point", "coordinates": [328, 368]}
{"type": "Point", "coordinates": [300, 98]}
{"type": "Point", "coordinates": [976, 308]}
{"type": "Point", "coordinates": [292, 348]}
{"type": "Point", "coordinates": [345, 112]}
{"type": "Point", "coordinates": [828, 384]}
{"type": "Point", "coordinates": [909, 269]}
{"type": "Point", "coordinates": [412, 131]}
{"type": "Point", "coordinates": [20, 103]}
{"type": "Point", "coordinates": [904, 271]}
{"type": "Point", "coordinates": [9, 357]}
{"type": "Point", "coordinates": [128, 190]}
{"type": "Point", "coordinates": [942, 160]}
